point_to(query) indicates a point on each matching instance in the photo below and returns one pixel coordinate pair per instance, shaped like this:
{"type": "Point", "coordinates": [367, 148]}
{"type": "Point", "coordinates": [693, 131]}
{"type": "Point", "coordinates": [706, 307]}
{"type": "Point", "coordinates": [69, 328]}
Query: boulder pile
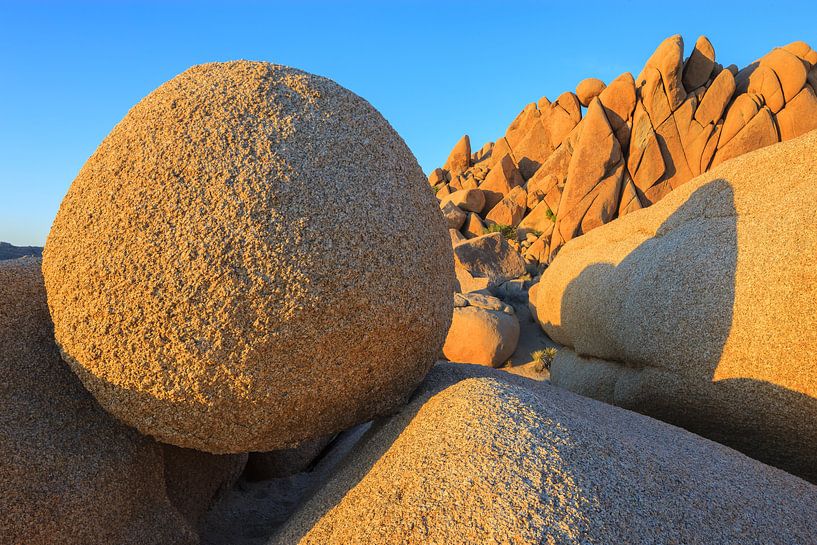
{"type": "Point", "coordinates": [557, 174]}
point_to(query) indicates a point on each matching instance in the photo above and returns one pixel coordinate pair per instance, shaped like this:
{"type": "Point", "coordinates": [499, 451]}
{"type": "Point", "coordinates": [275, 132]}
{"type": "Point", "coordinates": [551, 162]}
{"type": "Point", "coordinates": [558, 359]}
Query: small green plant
{"type": "Point", "coordinates": [506, 231]}
{"type": "Point", "coordinates": [436, 188]}
{"type": "Point", "coordinates": [550, 215]}
{"type": "Point", "coordinates": [543, 358]}
{"type": "Point", "coordinates": [536, 233]}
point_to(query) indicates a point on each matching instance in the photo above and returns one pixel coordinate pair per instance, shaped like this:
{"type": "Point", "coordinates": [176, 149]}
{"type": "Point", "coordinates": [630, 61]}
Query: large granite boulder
{"type": "Point", "coordinates": [481, 456]}
{"type": "Point", "coordinates": [238, 266]}
{"type": "Point", "coordinates": [702, 309]}
{"type": "Point", "coordinates": [70, 473]}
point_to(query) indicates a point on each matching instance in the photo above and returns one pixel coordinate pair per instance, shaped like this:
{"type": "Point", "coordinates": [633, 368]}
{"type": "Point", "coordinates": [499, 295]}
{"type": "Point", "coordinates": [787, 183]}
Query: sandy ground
{"type": "Point", "coordinates": [531, 338]}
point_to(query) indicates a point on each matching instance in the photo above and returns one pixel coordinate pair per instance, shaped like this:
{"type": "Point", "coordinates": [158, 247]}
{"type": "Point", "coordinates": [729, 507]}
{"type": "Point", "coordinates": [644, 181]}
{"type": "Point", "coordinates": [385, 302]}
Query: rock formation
{"type": "Point", "coordinates": [71, 473]}
{"type": "Point", "coordinates": [480, 456]}
{"type": "Point", "coordinates": [238, 267]}
{"type": "Point", "coordinates": [701, 310]}
{"type": "Point", "coordinates": [677, 119]}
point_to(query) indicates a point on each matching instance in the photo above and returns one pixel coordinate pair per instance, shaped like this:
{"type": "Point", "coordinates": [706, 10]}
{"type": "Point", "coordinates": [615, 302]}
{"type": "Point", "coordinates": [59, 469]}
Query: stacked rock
{"type": "Point", "coordinates": [559, 175]}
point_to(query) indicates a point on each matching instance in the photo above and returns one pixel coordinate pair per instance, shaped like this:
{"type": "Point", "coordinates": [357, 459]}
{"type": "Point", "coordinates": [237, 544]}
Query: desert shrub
{"type": "Point", "coordinates": [506, 231]}
{"type": "Point", "coordinates": [543, 358]}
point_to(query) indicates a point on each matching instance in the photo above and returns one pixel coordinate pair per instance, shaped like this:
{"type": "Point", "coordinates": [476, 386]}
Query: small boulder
{"type": "Point", "coordinates": [469, 200]}
{"type": "Point", "coordinates": [485, 336]}
{"type": "Point", "coordinates": [588, 89]}
{"type": "Point", "coordinates": [473, 226]}
{"type": "Point", "coordinates": [460, 157]}
{"type": "Point", "coordinates": [454, 217]}
{"type": "Point", "coordinates": [489, 256]}
{"type": "Point", "coordinates": [502, 178]}
{"type": "Point", "coordinates": [700, 64]}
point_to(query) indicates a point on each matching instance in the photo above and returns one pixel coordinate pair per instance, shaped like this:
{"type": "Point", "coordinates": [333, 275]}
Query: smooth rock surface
{"type": "Point", "coordinates": [707, 300]}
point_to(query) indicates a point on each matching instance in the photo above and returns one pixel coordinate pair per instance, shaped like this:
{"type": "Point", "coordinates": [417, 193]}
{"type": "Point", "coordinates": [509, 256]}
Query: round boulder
{"type": "Point", "coordinates": [588, 89]}
{"type": "Point", "coordinates": [240, 265]}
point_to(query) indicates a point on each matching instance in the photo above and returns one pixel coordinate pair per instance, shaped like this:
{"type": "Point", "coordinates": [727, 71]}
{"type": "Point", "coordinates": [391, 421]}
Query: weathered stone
{"type": "Point", "coordinates": [762, 81]}
{"type": "Point", "coordinates": [473, 226]}
{"type": "Point", "coordinates": [591, 194]}
{"type": "Point", "coordinates": [799, 116]}
{"type": "Point", "coordinates": [454, 217]}
{"type": "Point", "coordinates": [481, 336]}
{"type": "Point", "coordinates": [803, 51]}
{"type": "Point", "coordinates": [588, 89]}
{"type": "Point", "coordinates": [503, 177]}
{"type": "Point", "coordinates": [489, 256]}
{"type": "Point", "coordinates": [225, 265]}
{"type": "Point", "coordinates": [481, 456]}
{"type": "Point", "coordinates": [700, 64]}
{"type": "Point", "coordinates": [685, 294]}
{"type": "Point", "coordinates": [789, 69]}
{"type": "Point", "coordinates": [70, 473]}
{"type": "Point", "coordinates": [470, 200]}
{"type": "Point", "coordinates": [740, 112]}
{"type": "Point", "coordinates": [539, 220]}
{"type": "Point", "coordinates": [645, 162]}
{"type": "Point", "coordinates": [619, 100]}
{"type": "Point", "coordinates": [460, 157]}
{"type": "Point", "coordinates": [456, 237]}
{"type": "Point", "coordinates": [443, 191]}
{"type": "Point", "coordinates": [668, 60]}
{"type": "Point", "coordinates": [561, 117]}
{"type": "Point", "coordinates": [437, 176]}
{"type": "Point", "coordinates": [717, 96]}
{"type": "Point", "coordinates": [759, 132]}
{"type": "Point", "coordinates": [629, 198]}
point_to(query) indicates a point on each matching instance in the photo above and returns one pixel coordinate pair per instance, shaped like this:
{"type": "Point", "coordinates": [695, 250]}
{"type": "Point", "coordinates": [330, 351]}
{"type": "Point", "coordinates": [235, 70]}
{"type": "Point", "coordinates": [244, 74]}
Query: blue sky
{"type": "Point", "coordinates": [436, 70]}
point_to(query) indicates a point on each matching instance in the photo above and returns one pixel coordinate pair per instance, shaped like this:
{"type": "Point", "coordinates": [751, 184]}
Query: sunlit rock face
{"type": "Point", "coordinates": [701, 309]}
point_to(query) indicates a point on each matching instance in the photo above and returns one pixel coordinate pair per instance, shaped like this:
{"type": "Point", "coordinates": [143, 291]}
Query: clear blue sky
{"type": "Point", "coordinates": [435, 70]}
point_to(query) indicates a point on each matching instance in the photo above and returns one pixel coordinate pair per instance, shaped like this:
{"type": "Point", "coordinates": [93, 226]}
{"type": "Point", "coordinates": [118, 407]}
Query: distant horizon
{"type": "Point", "coordinates": [435, 72]}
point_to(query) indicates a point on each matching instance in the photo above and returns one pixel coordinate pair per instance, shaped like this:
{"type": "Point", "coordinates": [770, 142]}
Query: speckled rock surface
{"type": "Point", "coordinates": [69, 473]}
{"type": "Point", "coordinates": [481, 456]}
{"type": "Point", "coordinates": [708, 302]}
{"type": "Point", "coordinates": [239, 265]}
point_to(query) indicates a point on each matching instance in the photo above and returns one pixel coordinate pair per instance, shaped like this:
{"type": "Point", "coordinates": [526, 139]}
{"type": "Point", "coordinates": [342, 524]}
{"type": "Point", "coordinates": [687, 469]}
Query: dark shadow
{"type": "Point", "coordinates": [660, 319]}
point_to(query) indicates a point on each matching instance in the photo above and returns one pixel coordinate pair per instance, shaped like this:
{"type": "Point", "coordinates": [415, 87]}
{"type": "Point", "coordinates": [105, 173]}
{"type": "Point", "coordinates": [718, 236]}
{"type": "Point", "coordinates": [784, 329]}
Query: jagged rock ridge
{"type": "Point", "coordinates": [556, 174]}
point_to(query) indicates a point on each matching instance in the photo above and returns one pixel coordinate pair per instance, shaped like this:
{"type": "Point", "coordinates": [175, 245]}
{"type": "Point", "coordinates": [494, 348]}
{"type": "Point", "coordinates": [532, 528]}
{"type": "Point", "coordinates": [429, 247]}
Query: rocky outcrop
{"type": "Point", "coordinates": [484, 330]}
{"type": "Point", "coordinates": [677, 119]}
{"type": "Point", "coordinates": [701, 310]}
{"type": "Point", "coordinates": [480, 456]}
{"type": "Point", "coordinates": [71, 473]}
{"type": "Point", "coordinates": [209, 293]}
